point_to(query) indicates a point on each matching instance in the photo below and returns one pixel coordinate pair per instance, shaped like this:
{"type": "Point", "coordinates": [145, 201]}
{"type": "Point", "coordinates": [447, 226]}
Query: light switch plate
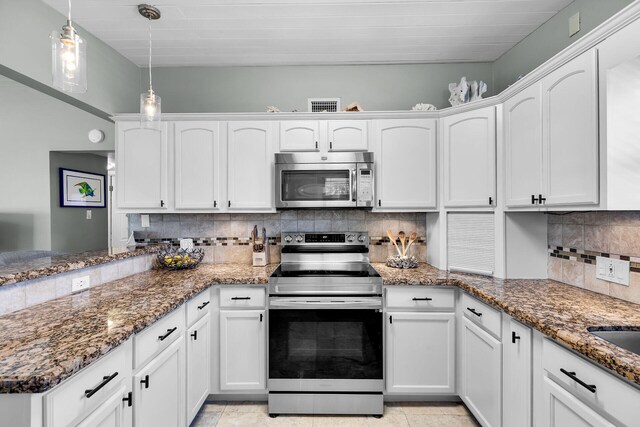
{"type": "Point", "coordinates": [88, 213]}
{"type": "Point", "coordinates": [612, 270]}
{"type": "Point", "coordinates": [80, 283]}
{"type": "Point", "coordinates": [574, 24]}
{"type": "Point", "coordinates": [144, 220]}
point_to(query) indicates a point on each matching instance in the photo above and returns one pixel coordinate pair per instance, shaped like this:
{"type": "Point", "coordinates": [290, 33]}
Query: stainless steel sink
{"type": "Point", "coordinates": [629, 340]}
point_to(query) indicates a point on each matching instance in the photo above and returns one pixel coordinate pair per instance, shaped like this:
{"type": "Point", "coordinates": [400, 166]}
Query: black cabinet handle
{"type": "Point", "coordinates": [330, 145]}
{"type": "Point", "coordinates": [514, 337]}
{"type": "Point", "coordinates": [473, 310]}
{"type": "Point", "coordinates": [145, 381]}
{"type": "Point", "coordinates": [229, 203]}
{"type": "Point", "coordinates": [534, 199]}
{"type": "Point", "coordinates": [390, 319]}
{"type": "Point", "coordinates": [169, 332]}
{"type": "Point", "coordinates": [162, 203]}
{"type": "Point", "coordinates": [105, 380]}
{"type": "Point", "coordinates": [422, 299]}
{"type": "Point", "coordinates": [238, 298]}
{"type": "Point", "coordinates": [572, 375]}
{"type": "Point", "coordinates": [195, 335]}
{"type": "Point", "coordinates": [261, 317]}
{"type": "Point", "coordinates": [316, 145]}
{"type": "Point", "coordinates": [204, 304]}
{"type": "Point", "coordinates": [490, 201]}
{"type": "Point", "coordinates": [128, 399]}
{"type": "Point", "coordinates": [215, 203]}
{"type": "Point", "coordinates": [541, 199]}
{"type": "Point", "coordinates": [379, 202]}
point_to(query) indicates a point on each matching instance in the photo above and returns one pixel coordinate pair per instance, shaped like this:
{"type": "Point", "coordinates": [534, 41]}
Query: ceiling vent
{"type": "Point", "coordinates": [324, 105]}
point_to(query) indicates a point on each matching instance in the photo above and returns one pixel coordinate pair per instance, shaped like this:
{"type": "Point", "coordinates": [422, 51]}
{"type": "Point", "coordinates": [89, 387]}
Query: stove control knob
{"type": "Point", "coordinates": [288, 239]}
{"type": "Point", "coordinates": [361, 238]}
{"type": "Point", "coordinates": [299, 238]}
{"type": "Point", "coordinates": [351, 237]}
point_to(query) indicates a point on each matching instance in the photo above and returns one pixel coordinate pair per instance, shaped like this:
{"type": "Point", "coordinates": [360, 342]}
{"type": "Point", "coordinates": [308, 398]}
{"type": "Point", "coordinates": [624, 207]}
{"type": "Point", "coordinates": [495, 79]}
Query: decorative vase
{"type": "Point", "coordinates": [398, 261]}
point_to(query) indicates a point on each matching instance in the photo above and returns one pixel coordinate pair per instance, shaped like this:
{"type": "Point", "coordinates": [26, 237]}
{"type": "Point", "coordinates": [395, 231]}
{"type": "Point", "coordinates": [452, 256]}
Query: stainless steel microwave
{"type": "Point", "coordinates": [327, 180]}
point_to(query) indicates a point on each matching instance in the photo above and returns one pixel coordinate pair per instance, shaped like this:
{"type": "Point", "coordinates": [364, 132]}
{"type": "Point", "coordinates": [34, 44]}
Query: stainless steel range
{"type": "Point", "coordinates": [325, 327]}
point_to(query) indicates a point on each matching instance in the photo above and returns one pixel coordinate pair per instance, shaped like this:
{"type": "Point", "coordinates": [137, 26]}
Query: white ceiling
{"type": "Point", "coordinates": [308, 32]}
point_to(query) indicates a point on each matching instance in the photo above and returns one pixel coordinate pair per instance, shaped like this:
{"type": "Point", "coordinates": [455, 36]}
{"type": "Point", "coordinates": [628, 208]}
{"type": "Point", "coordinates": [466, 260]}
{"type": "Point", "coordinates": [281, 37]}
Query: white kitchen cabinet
{"type": "Point", "coordinates": [347, 135]}
{"type": "Point", "coordinates": [481, 374]}
{"type": "Point", "coordinates": [197, 165]}
{"type": "Point", "coordinates": [469, 145]}
{"type": "Point", "coordinates": [517, 373]}
{"type": "Point", "coordinates": [405, 157]}
{"type": "Point", "coordinates": [300, 135]}
{"type": "Point", "coordinates": [250, 166]}
{"type": "Point", "coordinates": [198, 365]}
{"type": "Point", "coordinates": [114, 412]}
{"type": "Point", "coordinates": [523, 147]}
{"type": "Point", "coordinates": [243, 354]}
{"type": "Point", "coordinates": [562, 409]}
{"type": "Point", "coordinates": [570, 132]}
{"type": "Point", "coordinates": [159, 389]}
{"type": "Point", "coordinates": [142, 166]}
{"type": "Point", "coordinates": [420, 350]}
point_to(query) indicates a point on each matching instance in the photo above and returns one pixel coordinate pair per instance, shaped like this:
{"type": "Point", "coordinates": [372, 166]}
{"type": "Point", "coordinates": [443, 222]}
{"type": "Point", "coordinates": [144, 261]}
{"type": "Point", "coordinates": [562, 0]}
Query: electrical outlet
{"type": "Point", "coordinates": [574, 24]}
{"type": "Point", "coordinates": [88, 213]}
{"type": "Point", "coordinates": [612, 270]}
{"type": "Point", "coordinates": [144, 220]}
{"type": "Point", "coordinates": [80, 283]}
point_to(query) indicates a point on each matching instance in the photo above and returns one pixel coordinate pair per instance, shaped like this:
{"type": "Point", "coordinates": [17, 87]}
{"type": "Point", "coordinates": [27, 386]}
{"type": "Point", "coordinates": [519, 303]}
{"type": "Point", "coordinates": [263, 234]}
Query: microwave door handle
{"type": "Point", "coordinates": [354, 186]}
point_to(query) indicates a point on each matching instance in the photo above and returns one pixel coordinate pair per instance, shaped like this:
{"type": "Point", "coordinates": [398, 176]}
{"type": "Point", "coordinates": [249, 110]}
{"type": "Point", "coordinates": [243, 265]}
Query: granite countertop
{"type": "Point", "coordinates": [560, 311]}
{"type": "Point", "coordinates": [43, 345]}
{"type": "Point", "coordinates": [37, 268]}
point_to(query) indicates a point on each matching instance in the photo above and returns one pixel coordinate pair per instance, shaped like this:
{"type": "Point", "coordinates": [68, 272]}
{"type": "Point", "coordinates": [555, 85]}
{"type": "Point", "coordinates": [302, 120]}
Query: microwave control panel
{"type": "Point", "coordinates": [365, 186]}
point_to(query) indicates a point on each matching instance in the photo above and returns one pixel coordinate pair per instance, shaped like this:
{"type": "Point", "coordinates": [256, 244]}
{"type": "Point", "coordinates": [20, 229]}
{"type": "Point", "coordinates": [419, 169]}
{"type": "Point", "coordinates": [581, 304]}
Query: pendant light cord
{"type": "Point", "coordinates": [150, 81]}
{"type": "Point", "coordinates": [69, 16]}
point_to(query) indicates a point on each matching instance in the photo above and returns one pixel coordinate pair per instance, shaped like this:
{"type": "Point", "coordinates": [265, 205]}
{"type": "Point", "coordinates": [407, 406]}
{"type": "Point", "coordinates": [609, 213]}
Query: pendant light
{"type": "Point", "coordinates": [150, 103]}
{"type": "Point", "coordinates": [69, 59]}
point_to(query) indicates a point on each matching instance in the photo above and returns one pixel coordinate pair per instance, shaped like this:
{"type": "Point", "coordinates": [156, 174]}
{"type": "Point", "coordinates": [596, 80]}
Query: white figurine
{"type": "Point", "coordinates": [272, 109]}
{"type": "Point", "coordinates": [459, 92]}
{"type": "Point", "coordinates": [424, 107]}
{"type": "Point", "coordinates": [477, 90]}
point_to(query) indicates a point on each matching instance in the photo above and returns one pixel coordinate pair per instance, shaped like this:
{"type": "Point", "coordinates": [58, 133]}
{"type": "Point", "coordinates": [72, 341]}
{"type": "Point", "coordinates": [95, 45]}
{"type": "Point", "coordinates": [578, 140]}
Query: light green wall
{"type": "Point", "coordinates": [25, 26]}
{"type": "Point", "coordinates": [550, 38]}
{"type": "Point", "coordinates": [71, 231]}
{"type": "Point", "coordinates": [252, 89]}
{"type": "Point", "coordinates": [33, 124]}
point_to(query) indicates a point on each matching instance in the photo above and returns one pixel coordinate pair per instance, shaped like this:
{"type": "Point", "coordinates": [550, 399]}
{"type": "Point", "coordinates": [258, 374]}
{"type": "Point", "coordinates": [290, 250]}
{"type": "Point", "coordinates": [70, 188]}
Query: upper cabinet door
{"type": "Point", "coordinates": [570, 132]}
{"type": "Point", "coordinates": [470, 158]}
{"type": "Point", "coordinates": [523, 147]}
{"type": "Point", "coordinates": [347, 135]}
{"type": "Point", "coordinates": [142, 166]}
{"type": "Point", "coordinates": [250, 165]}
{"type": "Point", "coordinates": [300, 136]}
{"type": "Point", "coordinates": [405, 157]}
{"type": "Point", "coordinates": [197, 165]}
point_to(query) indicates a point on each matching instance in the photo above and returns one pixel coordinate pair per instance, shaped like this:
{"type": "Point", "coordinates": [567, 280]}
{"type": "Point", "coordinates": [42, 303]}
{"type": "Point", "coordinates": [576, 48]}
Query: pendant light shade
{"type": "Point", "coordinates": [69, 59]}
{"type": "Point", "coordinates": [150, 102]}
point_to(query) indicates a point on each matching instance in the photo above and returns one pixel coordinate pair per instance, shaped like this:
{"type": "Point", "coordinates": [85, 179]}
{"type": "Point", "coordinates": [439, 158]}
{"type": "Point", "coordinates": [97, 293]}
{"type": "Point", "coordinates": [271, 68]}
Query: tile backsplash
{"type": "Point", "coordinates": [225, 237]}
{"type": "Point", "coordinates": [575, 239]}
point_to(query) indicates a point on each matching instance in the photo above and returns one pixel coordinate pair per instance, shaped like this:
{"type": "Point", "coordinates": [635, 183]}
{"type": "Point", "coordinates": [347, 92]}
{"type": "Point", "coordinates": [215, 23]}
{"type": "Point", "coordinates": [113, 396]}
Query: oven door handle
{"type": "Point", "coordinates": [325, 303]}
{"type": "Point", "coordinates": [354, 186]}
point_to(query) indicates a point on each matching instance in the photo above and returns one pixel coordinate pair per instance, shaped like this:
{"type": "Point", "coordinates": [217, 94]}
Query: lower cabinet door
{"type": "Point", "coordinates": [243, 356]}
{"type": "Point", "coordinates": [159, 389]}
{"type": "Point", "coordinates": [481, 370]}
{"type": "Point", "coordinates": [114, 412]}
{"type": "Point", "coordinates": [517, 374]}
{"type": "Point", "coordinates": [420, 352]}
{"type": "Point", "coordinates": [562, 409]}
{"type": "Point", "coordinates": [198, 365]}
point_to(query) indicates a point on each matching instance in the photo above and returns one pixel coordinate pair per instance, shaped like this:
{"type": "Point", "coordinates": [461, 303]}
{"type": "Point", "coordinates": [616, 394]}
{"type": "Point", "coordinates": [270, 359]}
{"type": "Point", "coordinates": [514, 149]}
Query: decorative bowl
{"type": "Point", "coordinates": [398, 261]}
{"type": "Point", "coordinates": [179, 259]}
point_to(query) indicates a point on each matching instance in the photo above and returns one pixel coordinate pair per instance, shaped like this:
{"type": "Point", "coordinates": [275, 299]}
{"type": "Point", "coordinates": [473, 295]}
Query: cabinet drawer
{"type": "Point", "coordinates": [198, 306]}
{"type": "Point", "coordinates": [610, 394]}
{"type": "Point", "coordinates": [242, 297]}
{"type": "Point", "coordinates": [424, 298]}
{"type": "Point", "coordinates": [72, 400]}
{"type": "Point", "coordinates": [158, 336]}
{"type": "Point", "coordinates": [482, 314]}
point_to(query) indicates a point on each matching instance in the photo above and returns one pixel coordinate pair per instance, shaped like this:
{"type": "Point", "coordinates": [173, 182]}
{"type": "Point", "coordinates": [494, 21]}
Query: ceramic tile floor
{"type": "Point", "coordinates": [395, 414]}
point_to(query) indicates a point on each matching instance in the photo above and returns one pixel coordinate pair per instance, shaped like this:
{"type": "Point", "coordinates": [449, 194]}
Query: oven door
{"type": "Point", "coordinates": [325, 344]}
{"type": "Point", "coordinates": [316, 185]}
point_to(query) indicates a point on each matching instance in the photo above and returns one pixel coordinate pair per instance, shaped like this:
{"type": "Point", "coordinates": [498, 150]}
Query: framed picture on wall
{"type": "Point", "coordinates": [82, 189]}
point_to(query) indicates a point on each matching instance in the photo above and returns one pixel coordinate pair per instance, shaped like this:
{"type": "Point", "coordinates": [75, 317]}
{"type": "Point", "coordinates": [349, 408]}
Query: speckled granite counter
{"type": "Point", "coordinates": [38, 268]}
{"type": "Point", "coordinates": [42, 345]}
{"type": "Point", "coordinates": [560, 311]}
